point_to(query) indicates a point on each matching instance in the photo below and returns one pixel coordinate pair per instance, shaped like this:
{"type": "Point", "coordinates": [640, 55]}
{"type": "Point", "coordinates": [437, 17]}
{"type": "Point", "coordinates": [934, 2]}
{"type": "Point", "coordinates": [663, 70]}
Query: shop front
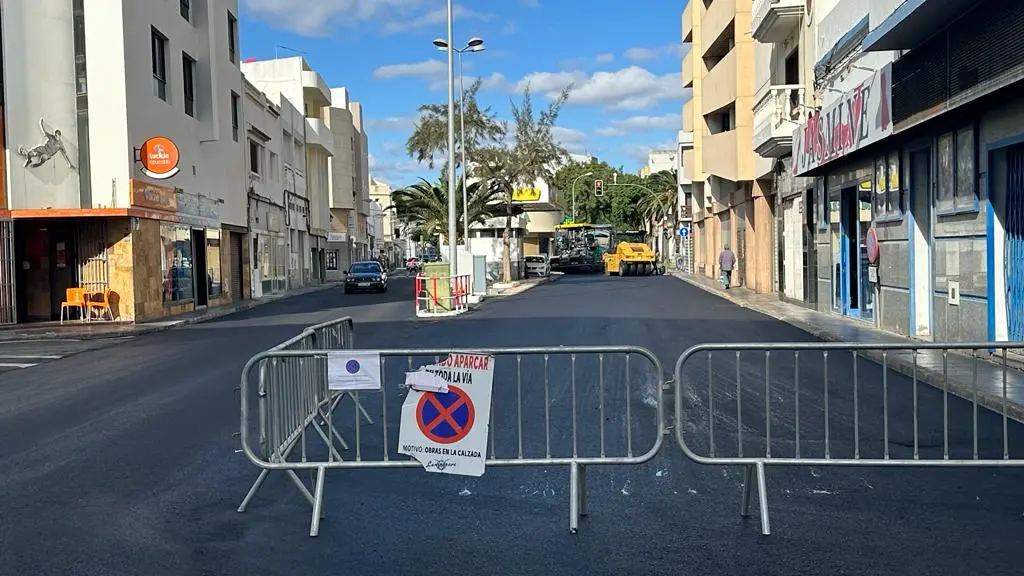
{"type": "Point", "coordinates": [852, 290]}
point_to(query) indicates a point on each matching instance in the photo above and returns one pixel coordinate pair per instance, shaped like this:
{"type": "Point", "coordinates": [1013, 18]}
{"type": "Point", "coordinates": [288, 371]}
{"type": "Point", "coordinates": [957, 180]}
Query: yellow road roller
{"type": "Point", "coordinates": [629, 255]}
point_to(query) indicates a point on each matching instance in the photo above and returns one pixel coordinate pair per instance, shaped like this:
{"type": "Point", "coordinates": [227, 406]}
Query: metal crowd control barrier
{"type": "Point", "coordinates": [574, 406]}
{"type": "Point", "coordinates": [442, 295]}
{"type": "Point", "coordinates": [822, 404]}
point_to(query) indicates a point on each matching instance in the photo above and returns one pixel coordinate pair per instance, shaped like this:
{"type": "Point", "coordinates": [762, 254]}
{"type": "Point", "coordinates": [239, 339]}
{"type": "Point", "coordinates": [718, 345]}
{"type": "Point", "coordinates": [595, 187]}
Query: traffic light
{"type": "Point", "coordinates": [598, 187]}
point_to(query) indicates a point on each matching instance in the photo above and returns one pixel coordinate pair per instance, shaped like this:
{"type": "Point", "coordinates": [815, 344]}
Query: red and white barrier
{"type": "Point", "coordinates": [442, 295]}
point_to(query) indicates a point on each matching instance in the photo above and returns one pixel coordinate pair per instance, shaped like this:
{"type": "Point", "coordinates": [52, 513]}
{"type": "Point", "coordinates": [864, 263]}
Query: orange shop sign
{"type": "Point", "coordinates": [159, 158]}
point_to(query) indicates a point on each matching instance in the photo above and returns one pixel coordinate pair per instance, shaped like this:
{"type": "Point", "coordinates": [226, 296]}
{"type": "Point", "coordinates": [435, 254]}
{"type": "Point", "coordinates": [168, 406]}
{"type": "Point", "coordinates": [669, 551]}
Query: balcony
{"type": "Point", "coordinates": [687, 23]}
{"type": "Point", "coordinates": [318, 134]}
{"type": "Point", "coordinates": [314, 90]}
{"type": "Point", "coordinates": [775, 20]}
{"type": "Point", "coordinates": [721, 155]}
{"type": "Point", "coordinates": [688, 116]}
{"type": "Point", "coordinates": [688, 69]}
{"type": "Point", "coordinates": [685, 140]}
{"type": "Point", "coordinates": [718, 88]}
{"type": "Point", "coordinates": [713, 24]}
{"type": "Point", "coordinates": [777, 114]}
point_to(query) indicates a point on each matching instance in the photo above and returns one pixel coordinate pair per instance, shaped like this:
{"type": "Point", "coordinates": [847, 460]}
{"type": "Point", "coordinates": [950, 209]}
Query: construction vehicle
{"type": "Point", "coordinates": [576, 249]}
{"type": "Point", "coordinates": [629, 255]}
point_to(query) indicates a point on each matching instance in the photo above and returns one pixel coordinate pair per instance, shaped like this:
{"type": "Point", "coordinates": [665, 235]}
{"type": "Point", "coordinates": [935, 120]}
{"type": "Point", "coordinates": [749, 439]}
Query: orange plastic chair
{"type": "Point", "coordinates": [73, 298]}
{"type": "Point", "coordinates": [101, 303]}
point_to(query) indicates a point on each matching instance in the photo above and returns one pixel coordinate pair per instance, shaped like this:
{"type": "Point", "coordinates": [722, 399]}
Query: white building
{"type": "Point", "coordinates": [349, 183]}
{"type": "Point", "coordinates": [660, 161]}
{"type": "Point", "coordinates": [380, 192]}
{"type": "Point", "coordinates": [124, 134]}
{"type": "Point", "coordinates": [308, 216]}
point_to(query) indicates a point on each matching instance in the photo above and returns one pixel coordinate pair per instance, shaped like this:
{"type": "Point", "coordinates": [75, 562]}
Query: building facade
{"type": "Point", "coordinates": [919, 236]}
{"type": "Point", "coordinates": [349, 184]}
{"type": "Point", "coordinates": [306, 199]}
{"type": "Point", "coordinates": [123, 126]}
{"type": "Point", "coordinates": [733, 205]}
{"type": "Point", "coordinates": [786, 50]}
{"type": "Point", "coordinates": [380, 192]}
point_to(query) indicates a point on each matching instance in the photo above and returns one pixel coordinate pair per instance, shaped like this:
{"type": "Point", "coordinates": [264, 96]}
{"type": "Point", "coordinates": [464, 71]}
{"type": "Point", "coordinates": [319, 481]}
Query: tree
{"type": "Point", "coordinates": [430, 136]}
{"type": "Point", "coordinates": [424, 206]}
{"type": "Point", "coordinates": [659, 200]}
{"type": "Point", "coordinates": [619, 206]}
{"type": "Point", "coordinates": [532, 154]}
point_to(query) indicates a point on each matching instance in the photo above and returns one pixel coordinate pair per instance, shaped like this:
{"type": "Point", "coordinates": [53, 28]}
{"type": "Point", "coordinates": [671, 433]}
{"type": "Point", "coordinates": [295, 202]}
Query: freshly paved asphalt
{"type": "Point", "coordinates": [123, 460]}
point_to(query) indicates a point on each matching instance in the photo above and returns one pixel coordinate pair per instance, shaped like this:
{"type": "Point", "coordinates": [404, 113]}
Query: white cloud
{"type": "Point", "coordinates": [641, 124]}
{"type": "Point", "coordinates": [391, 124]}
{"type": "Point", "coordinates": [641, 54]}
{"type": "Point", "coordinates": [393, 147]}
{"type": "Point", "coordinates": [639, 152]}
{"type": "Point", "coordinates": [606, 57]}
{"type": "Point", "coordinates": [317, 18]}
{"type": "Point", "coordinates": [424, 69]}
{"type": "Point", "coordinates": [495, 81]}
{"type": "Point", "coordinates": [433, 18]}
{"type": "Point", "coordinates": [631, 88]}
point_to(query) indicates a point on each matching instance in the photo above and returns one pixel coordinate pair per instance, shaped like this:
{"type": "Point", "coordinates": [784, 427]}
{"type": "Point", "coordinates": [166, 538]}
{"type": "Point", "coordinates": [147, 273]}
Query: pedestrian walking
{"type": "Point", "coordinates": [726, 262]}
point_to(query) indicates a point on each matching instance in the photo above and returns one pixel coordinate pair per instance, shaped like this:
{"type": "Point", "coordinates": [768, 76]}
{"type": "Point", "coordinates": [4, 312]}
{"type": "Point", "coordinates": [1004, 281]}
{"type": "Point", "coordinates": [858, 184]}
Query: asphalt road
{"type": "Point", "coordinates": [123, 460]}
{"type": "Point", "coordinates": [20, 354]}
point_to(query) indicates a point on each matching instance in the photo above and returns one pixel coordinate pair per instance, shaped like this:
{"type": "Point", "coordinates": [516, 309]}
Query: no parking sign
{"type": "Point", "coordinates": [447, 432]}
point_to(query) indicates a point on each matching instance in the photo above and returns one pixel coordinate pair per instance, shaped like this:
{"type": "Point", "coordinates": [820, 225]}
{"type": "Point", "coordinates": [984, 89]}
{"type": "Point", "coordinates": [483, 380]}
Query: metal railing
{"type": "Point", "coordinates": [824, 404]}
{"type": "Point", "coordinates": [442, 295]}
{"type": "Point", "coordinates": [563, 406]}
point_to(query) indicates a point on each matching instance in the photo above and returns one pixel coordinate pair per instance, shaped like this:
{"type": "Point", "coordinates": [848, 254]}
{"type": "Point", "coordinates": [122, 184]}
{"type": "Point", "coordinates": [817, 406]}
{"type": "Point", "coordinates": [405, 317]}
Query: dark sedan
{"type": "Point", "coordinates": [366, 276]}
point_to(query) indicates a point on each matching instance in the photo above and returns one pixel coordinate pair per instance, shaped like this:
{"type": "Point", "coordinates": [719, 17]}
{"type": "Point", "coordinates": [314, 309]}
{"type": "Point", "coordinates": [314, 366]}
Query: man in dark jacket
{"type": "Point", "coordinates": [726, 262]}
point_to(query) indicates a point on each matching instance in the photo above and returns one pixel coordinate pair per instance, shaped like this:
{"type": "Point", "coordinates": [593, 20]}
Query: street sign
{"type": "Point", "coordinates": [684, 232]}
{"type": "Point", "coordinates": [598, 187]}
{"type": "Point", "coordinates": [447, 432]}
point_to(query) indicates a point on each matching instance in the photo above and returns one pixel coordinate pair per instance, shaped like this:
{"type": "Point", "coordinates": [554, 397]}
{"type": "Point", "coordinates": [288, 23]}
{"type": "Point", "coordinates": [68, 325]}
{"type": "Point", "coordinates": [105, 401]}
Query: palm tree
{"type": "Point", "coordinates": [424, 206]}
{"type": "Point", "coordinates": [659, 200]}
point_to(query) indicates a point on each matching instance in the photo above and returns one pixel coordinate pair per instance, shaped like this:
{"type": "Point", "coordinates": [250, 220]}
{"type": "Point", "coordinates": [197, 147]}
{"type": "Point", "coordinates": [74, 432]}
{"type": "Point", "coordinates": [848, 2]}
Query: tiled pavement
{"type": "Point", "coordinates": [998, 387]}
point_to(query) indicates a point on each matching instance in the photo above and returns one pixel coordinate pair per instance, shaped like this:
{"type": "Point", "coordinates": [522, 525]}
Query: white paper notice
{"type": "Point", "coordinates": [353, 370]}
{"type": "Point", "coordinates": [426, 382]}
{"type": "Point", "coordinates": [447, 432]}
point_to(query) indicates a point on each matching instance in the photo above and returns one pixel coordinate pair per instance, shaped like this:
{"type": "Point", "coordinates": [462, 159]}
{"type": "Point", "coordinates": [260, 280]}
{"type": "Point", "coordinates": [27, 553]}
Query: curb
{"type": "Point", "coordinates": [131, 329]}
{"type": "Point", "coordinates": [895, 361]}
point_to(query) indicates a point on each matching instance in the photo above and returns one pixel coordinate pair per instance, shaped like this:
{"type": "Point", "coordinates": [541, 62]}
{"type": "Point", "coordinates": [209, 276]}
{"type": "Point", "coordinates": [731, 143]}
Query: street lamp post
{"type": "Point", "coordinates": [574, 193]}
{"type": "Point", "coordinates": [475, 44]}
{"type": "Point", "coordinates": [453, 248]}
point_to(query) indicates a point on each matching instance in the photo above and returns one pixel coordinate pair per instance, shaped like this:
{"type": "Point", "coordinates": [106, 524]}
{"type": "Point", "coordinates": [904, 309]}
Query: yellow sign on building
{"type": "Point", "coordinates": [526, 195]}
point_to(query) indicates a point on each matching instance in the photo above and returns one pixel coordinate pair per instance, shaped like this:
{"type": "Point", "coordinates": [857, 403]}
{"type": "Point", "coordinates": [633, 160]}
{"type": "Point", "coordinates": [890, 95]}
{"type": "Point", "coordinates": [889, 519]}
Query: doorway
{"type": "Point", "coordinates": [921, 242]}
{"type": "Point", "coordinates": [854, 295]}
{"type": "Point", "coordinates": [1010, 213]}
{"type": "Point", "coordinates": [201, 282]}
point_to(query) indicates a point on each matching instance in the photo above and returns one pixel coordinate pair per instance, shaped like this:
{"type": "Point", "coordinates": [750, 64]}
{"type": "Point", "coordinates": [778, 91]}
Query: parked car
{"type": "Point", "coordinates": [538, 265]}
{"type": "Point", "coordinates": [366, 276]}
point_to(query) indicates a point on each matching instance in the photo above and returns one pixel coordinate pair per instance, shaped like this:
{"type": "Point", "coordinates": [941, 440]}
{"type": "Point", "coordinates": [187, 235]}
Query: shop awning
{"type": "Point", "coordinates": [913, 22]}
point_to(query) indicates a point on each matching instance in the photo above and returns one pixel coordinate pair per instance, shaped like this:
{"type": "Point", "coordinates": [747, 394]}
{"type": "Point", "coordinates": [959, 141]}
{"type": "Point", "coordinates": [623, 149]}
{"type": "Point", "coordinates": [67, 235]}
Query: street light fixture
{"type": "Point", "coordinates": [475, 44]}
{"type": "Point", "coordinates": [574, 192]}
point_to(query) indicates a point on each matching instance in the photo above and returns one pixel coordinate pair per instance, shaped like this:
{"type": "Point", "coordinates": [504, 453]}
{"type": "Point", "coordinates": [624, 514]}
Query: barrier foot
{"type": "Point", "coordinates": [253, 490]}
{"type": "Point", "coordinates": [748, 479]}
{"type": "Point", "coordinates": [574, 498]}
{"type": "Point", "coordinates": [318, 502]}
{"type": "Point", "coordinates": [583, 490]}
{"type": "Point", "coordinates": [762, 493]}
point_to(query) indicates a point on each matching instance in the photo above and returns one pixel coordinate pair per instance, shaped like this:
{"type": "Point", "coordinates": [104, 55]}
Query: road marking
{"type": "Point", "coordinates": [37, 341]}
{"type": "Point", "coordinates": [14, 365]}
{"type": "Point", "coordinates": [29, 357]}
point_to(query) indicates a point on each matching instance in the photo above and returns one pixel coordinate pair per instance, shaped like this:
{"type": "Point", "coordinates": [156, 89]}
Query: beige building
{"type": "Point", "coordinates": [380, 193]}
{"type": "Point", "coordinates": [350, 184]}
{"type": "Point", "coordinates": [732, 203]}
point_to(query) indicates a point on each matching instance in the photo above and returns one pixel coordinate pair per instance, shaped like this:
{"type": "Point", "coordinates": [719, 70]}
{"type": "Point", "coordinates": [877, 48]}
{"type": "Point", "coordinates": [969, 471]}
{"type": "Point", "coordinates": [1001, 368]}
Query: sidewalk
{"type": "Point", "coordinates": [74, 329]}
{"type": "Point", "coordinates": [833, 328]}
{"type": "Point", "coordinates": [518, 286]}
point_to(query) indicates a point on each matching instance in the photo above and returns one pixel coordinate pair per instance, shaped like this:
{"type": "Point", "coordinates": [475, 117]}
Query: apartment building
{"type": "Point", "coordinates": [659, 161]}
{"type": "Point", "coordinates": [306, 207]}
{"type": "Point", "coordinates": [380, 192]}
{"type": "Point", "coordinates": [349, 183]}
{"type": "Point", "coordinates": [733, 204]}
{"type": "Point", "coordinates": [917, 161]}
{"type": "Point", "coordinates": [786, 49]}
{"type": "Point", "coordinates": [123, 130]}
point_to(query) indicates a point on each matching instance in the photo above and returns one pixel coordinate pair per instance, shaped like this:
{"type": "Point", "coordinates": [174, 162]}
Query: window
{"type": "Point", "coordinates": [186, 9]}
{"type": "Point", "coordinates": [234, 116]}
{"type": "Point", "coordinates": [188, 82]}
{"type": "Point", "coordinates": [159, 49]}
{"type": "Point", "coordinates": [821, 203]}
{"type": "Point", "coordinates": [957, 189]}
{"type": "Point", "coordinates": [213, 269]}
{"type": "Point", "coordinates": [888, 198]}
{"type": "Point", "coordinates": [272, 167]}
{"type": "Point", "coordinates": [255, 157]}
{"type": "Point", "coordinates": [232, 38]}
{"type": "Point", "coordinates": [176, 263]}
{"type": "Point", "coordinates": [332, 259]}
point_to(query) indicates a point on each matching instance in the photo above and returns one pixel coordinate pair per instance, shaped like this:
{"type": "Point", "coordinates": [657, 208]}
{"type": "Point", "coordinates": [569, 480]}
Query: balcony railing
{"type": "Point", "coordinates": [776, 115]}
{"type": "Point", "coordinates": [774, 20]}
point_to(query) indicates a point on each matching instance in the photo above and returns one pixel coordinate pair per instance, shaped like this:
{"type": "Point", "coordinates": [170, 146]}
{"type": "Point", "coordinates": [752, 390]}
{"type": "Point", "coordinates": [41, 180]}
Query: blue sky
{"type": "Point", "coordinates": [623, 57]}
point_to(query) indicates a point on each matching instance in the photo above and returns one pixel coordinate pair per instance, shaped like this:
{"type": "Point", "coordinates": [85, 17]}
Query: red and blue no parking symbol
{"type": "Point", "coordinates": [445, 418]}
